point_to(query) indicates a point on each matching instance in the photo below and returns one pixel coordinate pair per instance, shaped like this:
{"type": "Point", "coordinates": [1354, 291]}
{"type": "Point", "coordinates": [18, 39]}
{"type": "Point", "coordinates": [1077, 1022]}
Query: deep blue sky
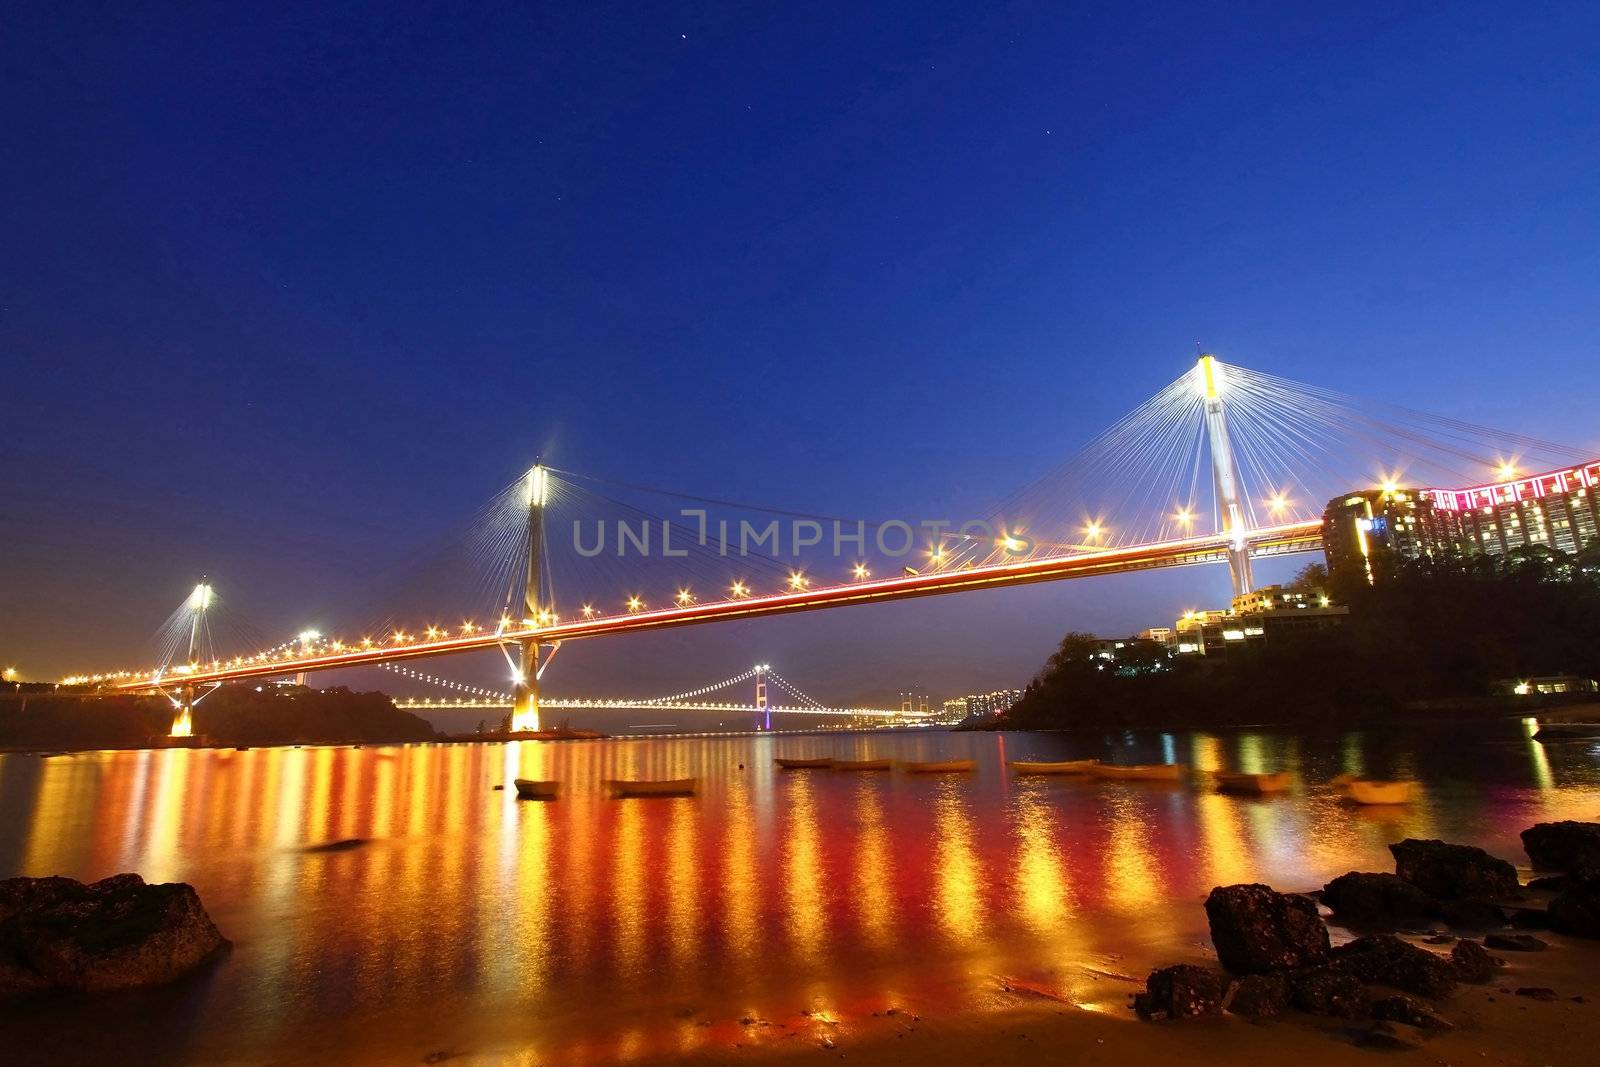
{"type": "Point", "coordinates": [285, 291]}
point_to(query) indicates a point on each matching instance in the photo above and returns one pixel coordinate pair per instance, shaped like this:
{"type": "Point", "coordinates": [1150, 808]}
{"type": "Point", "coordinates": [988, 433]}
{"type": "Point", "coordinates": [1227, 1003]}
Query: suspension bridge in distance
{"type": "Point", "coordinates": [1270, 451]}
{"type": "Point", "coordinates": [759, 707]}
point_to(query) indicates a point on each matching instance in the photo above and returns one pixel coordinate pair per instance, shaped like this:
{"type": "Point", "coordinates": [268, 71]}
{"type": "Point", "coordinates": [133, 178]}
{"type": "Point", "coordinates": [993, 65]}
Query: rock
{"type": "Point", "coordinates": [1530, 919]}
{"type": "Point", "coordinates": [1573, 847]}
{"type": "Point", "coordinates": [1537, 992]}
{"type": "Point", "coordinates": [1577, 910]}
{"type": "Point", "coordinates": [1440, 939]}
{"type": "Point", "coordinates": [1325, 991]}
{"type": "Point", "coordinates": [1256, 929]}
{"type": "Point", "coordinates": [1471, 915]}
{"type": "Point", "coordinates": [1473, 963]}
{"type": "Point", "coordinates": [1393, 1036]}
{"type": "Point", "coordinates": [113, 934]}
{"type": "Point", "coordinates": [1384, 959]}
{"type": "Point", "coordinates": [1454, 872]}
{"type": "Point", "coordinates": [18, 895]}
{"type": "Point", "coordinates": [1400, 1008]}
{"type": "Point", "coordinates": [1553, 882]}
{"type": "Point", "coordinates": [1362, 897]}
{"type": "Point", "coordinates": [1259, 996]}
{"type": "Point", "coordinates": [1181, 991]}
{"type": "Point", "coordinates": [17, 978]}
{"type": "Point", "coordinates": [1515, 943]}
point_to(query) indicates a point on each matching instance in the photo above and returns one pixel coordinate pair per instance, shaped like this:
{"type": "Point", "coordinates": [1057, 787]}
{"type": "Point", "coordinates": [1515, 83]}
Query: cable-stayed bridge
{"type": "Point", "coordinates": [1223, 466]}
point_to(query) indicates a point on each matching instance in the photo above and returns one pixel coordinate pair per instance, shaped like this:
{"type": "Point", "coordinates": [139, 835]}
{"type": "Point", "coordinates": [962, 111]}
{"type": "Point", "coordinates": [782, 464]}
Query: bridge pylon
{"type": "Point", "coordinates": [763, 710]}
{"type": "Point", "coordinates": [525, 685]}
{"type": "Point", "coordinates": [183, 712]}
{"type": "Point", "coordinates": [1225, 475]}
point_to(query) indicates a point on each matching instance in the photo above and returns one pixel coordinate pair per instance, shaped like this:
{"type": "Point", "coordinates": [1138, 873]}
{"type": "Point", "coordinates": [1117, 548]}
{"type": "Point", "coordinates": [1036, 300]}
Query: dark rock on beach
{"type": "Point", "coordinates": [1400, 1008]}
{"type": "Point", "coordinates": [1384, 959]}
{"type": "Point", "coordinates": [1259, 996]}
{"type": "Point", "coordinates": [1576, 910]}
{"type": "Point", "coordinates": [1454, 872]}
{"type": "Point", "coordinates": [1515, 943]}
{"type": "Point", "coordinates": [1367, 898]}
{"type": "Point", "coordinates": [1256, 929]}
{"type": "Point", "coordinates": [1571, 847]}
{"type": "Point", "coordinates": [1473, 963]}
{"type": "Point", "coordinates": [116, 933]}
{"type": "Point", "coordinates": [1327, 991]}
{"type": "Point", "coordinates": [1387, 1035]}
{"type": "Point", "coordinates": [1181, 991]}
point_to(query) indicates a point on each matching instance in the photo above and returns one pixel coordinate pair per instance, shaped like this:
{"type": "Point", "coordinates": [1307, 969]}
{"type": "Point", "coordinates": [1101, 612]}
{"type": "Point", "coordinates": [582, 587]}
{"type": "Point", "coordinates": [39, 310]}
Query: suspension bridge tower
{"type": "Point", "coordinates": [525, 690]}
{"type": "Point", "coordinates": [183, 714]}
{"type": "Point", "coordinates": [1225, 474]}
{"type": "Point", "coordinates": [763, 712]}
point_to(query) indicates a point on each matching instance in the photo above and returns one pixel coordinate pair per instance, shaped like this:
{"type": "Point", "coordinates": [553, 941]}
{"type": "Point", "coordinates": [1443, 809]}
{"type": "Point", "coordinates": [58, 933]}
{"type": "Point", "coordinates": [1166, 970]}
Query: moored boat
{"type": "Point", "coordinates": [531, 789]}
{"type": "Point", "coordinates": [1567, 731]}
{"type": "Point", "coordinates": [862, 764]}
{"type": "Point", "coordinates": [1341, 782]}
{"type": "Point", "coordinates": [663, 787]}
{"type": "Point", "coordinates": [801, 764]}
{"type": "Point", "coordinates": [1163, 772]}
{"type": "Point", "coordinates": [948, 766]}
{"type": "Point", "coordinates": [1256, 784]}
{"type": "Point", "coordinates": [1373, 791]}
{"type": "Point", "coordinates": [1070, 766]}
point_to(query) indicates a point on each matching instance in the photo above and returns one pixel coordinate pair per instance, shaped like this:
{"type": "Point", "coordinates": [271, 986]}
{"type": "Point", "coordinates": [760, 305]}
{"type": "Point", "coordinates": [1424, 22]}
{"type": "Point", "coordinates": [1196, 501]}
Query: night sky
{"type": "Point", "coordinates": [286, 292]}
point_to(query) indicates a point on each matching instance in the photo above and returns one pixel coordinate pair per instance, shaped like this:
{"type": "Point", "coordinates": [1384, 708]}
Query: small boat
{"type": "Point", "coordinates": [1341, 782]}
{"type": "Point", "coordinates": [1164, 772]}
{"type": "Point", "coordinates": [1372, 791]}
{"type": "Point", "coordinates": [529, 789]}
{"type": "Point", "coordinates": [802, 764]}
{"type": "Point", "coordinates": [1070, 766]}
{"type": "Point", "coordinates": [862, 764]}
{"type": "Point", "coordinates": [948, 766]}
{"type": "Point", "coordinates": [662, 787]}
{"type": "Point", "coordinates": [1567, 731]}
{"type": "Point", "coordinates": [1252, 784]}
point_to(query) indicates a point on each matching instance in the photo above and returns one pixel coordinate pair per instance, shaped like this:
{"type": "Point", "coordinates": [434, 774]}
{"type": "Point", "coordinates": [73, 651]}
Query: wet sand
{"type": "Point", "coordinates": [1033, 1026]}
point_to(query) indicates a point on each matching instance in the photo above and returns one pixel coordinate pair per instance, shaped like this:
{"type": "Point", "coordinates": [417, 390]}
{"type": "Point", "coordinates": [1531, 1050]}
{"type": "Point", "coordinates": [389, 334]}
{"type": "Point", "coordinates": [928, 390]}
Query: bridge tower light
{"type": "Point", "coordinates": [1225, 474]}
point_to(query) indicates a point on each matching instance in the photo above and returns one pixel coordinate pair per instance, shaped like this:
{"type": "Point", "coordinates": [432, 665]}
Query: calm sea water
{"type": "Point", "coordinates": [592, 930]}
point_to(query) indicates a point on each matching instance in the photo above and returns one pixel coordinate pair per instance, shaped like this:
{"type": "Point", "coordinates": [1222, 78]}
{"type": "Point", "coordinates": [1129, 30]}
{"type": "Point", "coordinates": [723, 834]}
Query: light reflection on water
{"type": "Point", "coordinates": [590, 929]}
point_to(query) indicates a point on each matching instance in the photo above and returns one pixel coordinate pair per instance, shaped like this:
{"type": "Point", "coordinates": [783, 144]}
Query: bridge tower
{"type": "Point", "coordinates": [525, 686]}
{"type": "Point", "coordinates": [763, 712]}
{"type": "Point", "coordinates": [183, 715]}
{"type": "Point", "coordinates": [1225, 475]}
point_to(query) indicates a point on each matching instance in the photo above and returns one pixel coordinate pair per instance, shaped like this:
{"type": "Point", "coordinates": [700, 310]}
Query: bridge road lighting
{"type": "Point", "coordinates": [860, 572]}
{"type": "Point", "coordinates": [635, 604]}
{"type": "Point", "coordinates": [739, 590]}
{"type": "Point", "coordinates": [798, 580]}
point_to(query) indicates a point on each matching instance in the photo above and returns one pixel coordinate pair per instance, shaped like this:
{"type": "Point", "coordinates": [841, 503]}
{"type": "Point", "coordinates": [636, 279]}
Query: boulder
{"type": "Point", "coordinates": [1572, 847]}
{"type": "Point", "coordinates": [1454, 872]}
{"type": "Point", "coordinates": [1473, 963]}
{"type": "Point", "coordinates": [1576, 911]}
{"type": "Point", "coordinates": [1471, 915]}
{"type": "Point", "coordinates": [1181, 991]}
{"type": "Point", "coordinates": [1398, 1036]}
{"type": "Point", "coordinates": [1256, 929]}
{"type": "Point", "coordinates": [1387, 899]}
{"type": "Point", "coordinates": [1259, 996]}
{"type": "Point", "coordinates": [1325, 991]}
{"type": "Point", "coordinates": [1383, 959]}
{"type": "Point", "coordinates": [1400, 1008]}
{"type": "Point", "coordinates": [1515, 942]}
{"type": "Point", "coordinates": [113, 934]}
{"type": "Point", "coordinates": [1538, 992]}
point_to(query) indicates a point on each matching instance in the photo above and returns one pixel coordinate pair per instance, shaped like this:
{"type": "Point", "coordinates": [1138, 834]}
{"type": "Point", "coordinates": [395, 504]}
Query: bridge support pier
{"type": "Point", "coordinates": [525, 695]}
{"type": "Point", "coordinates": [763, 711]}
{"type": "Point", "coordinates": [183, 714]}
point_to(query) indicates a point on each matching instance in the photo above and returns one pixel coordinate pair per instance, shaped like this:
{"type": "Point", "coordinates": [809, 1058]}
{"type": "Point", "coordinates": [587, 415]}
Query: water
{"type": "Point", "coordinates": [593, 930]}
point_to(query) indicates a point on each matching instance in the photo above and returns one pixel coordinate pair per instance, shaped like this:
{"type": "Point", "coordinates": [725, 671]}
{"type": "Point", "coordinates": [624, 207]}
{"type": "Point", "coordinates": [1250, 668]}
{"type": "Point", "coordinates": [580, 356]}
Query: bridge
{"type": "Point", "coordinates": [1270, 450]}
{"type": "Point", "coordinates": [759, 709]}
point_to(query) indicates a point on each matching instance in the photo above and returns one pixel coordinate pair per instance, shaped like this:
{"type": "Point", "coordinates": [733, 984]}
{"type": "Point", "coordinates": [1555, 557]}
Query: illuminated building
{"type": "Point", "coordinates": [1556, 509]}
{"type": "Point", "coordinates": [977, 705]}
{"type": "Point", "coordinates": [1265, 614]}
